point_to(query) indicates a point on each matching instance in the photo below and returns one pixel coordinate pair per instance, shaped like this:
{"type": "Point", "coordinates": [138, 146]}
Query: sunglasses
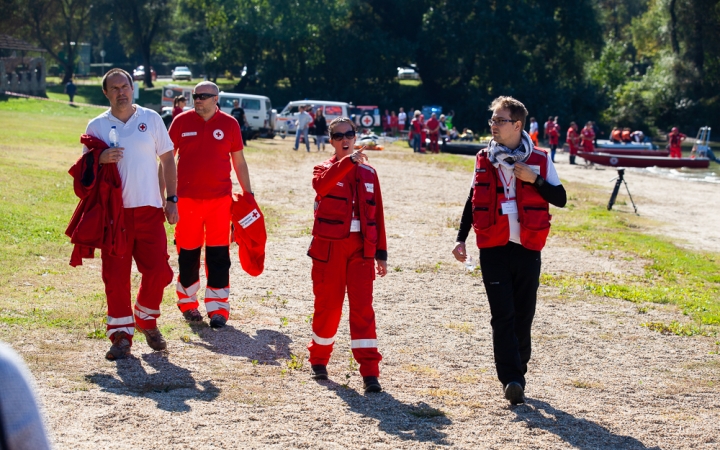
{"type": "Point", "coordinates": [339, 136]}
{"type": "Point", "coordinates": [203, 96]}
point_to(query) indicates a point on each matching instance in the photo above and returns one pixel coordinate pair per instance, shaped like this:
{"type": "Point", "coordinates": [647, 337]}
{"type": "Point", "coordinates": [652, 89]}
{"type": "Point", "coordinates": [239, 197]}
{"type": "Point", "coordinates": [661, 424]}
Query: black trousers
{"type": "Point", "coordinates": [511, 274]}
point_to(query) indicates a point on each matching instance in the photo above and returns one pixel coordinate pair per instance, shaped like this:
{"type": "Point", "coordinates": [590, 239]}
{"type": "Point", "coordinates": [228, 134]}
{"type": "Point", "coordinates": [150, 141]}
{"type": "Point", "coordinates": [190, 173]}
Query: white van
{"type": "Point", "coordinates": [285, 122]}
{"type": "Point", "coordinates": [258, 111]}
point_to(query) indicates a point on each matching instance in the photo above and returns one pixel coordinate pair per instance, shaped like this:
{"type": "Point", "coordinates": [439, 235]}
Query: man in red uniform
{"type": "Point", "coordinates": [348, 242]}
{"type": "Point", "coordinates": [675, 138]}
{"type": "Point", "coordinates": [553, 133]}
{"type": "Point", "coordinates": [573, 140]}
{"type": "Point", "coordinates": [433, 126]}
{"type": "Point", "coordinates": [207, 141]}
{"type": "Point", "coordinates": [588, 136]}
{"type": "Point", "coordinates": [508, 206]}
{"type": "Point", "coordinates": [142, 133]}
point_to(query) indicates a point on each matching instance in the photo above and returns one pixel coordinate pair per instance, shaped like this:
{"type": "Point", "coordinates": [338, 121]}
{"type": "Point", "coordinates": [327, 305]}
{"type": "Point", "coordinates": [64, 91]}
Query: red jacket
{"type": "Point", "coordinates": [338, 184]}
{"type": "Point", "coordinates": [553, 134]}
{"type": "Point", "coordinates": [98, 220]}
{"type": "Point", "coordinates": [492, 229]}
{"type": "Point", "coordinates": [249, 233]}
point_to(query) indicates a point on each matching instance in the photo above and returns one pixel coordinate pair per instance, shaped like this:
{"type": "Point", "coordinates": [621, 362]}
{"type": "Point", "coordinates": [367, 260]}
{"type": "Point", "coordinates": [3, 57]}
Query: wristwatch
{"type": "Point", "coordinates": [539, 181]}
{"type": "Point", "coordinates": [172, 198]}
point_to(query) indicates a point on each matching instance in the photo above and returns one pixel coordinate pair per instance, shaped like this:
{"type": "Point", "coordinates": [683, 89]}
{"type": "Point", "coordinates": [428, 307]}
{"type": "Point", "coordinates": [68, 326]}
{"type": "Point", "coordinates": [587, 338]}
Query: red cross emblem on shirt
{"type": "Point", "coordinates": [255, 214]}
{"type": "Point", "coordinates": [218, 134]}
{"type": "Point", "coordinates": [142, 127]}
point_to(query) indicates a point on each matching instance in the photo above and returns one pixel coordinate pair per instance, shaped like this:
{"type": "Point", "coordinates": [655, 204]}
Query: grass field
{"type": "Point", "coordinates": [40, 140]}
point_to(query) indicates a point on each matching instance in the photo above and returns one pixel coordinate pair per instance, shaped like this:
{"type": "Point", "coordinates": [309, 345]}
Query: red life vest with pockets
{"type": "Point", "coordinates": [492, 229]}
{"type": "Point", "coordinates": [333, 212]}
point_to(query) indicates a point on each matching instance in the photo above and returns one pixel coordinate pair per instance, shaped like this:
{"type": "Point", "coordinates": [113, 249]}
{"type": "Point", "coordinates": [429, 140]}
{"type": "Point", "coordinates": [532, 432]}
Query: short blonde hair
{"type": "Point", "coordinates": [516, 108]}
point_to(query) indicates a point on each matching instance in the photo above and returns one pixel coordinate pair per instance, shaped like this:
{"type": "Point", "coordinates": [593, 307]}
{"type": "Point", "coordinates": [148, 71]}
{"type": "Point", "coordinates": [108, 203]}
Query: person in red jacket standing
{"type": "Point", "coordinates": [587, 135]}
{"type": "Point", "coordinates": [553, 133]}
{"type": "Point", "coordinates": [508, 206]}
{"type": "Point", "coordinates": [208, 143]}
{"type": "Point", "coordinates": [433, 126]}
{"type": "Point", "coordinates": [573, 141]}
{"type": "Point", "coordinates": [675, 138]}
{"type": "Point", "coordinates": [348, 248]}
{"type": "Point", "coordinates": [142, 140]}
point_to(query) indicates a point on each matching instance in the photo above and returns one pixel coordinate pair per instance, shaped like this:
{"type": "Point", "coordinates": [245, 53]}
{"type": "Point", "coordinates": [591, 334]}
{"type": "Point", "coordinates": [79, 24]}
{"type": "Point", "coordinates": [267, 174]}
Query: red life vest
{"type": "Point", "coordinates": [492, 228]}
{"type": "Point", "coordinates": [334, 211]}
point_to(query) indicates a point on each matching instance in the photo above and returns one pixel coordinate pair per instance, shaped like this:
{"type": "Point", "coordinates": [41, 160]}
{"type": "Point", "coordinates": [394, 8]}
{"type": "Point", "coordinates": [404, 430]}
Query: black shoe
{"type": "Point", "coordinates": [193, 315]}
{"type": "Point", "coordinates": [515, 393]}
{"type": "Point", "coordinates": [120, 348]}
{"type": "Point", "coordinates": [319, 372]}
{"type": "Point", "coordinates": [371, 384]}
{"type": "Point", "coordinates": [218, 321]}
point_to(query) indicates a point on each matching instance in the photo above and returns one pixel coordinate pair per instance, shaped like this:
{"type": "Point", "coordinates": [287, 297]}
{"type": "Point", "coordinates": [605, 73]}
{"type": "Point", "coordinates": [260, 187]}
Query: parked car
{"type": "Point", "coordinates": [285, 122]}
{"type": "Point", "coordinates": [139, 73]}
{"type": "Point", "coordinates": [407, 73]}
{"type": "Point", "coordinates": [259, 114]}
{"type": "Point", "coordinates": [182, 73]}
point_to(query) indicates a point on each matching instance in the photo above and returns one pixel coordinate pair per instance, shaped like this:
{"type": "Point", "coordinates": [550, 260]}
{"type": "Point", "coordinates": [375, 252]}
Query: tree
{"type": "Point", "coordinates": [57, 25]}
{"type": "Point", "coordinates": [142, 22]}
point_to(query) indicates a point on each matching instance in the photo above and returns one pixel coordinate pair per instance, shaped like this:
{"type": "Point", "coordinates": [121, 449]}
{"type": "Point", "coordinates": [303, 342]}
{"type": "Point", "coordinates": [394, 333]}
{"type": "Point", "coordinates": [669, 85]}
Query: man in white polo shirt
{"type": "Point", "coordinates": [142, 139]}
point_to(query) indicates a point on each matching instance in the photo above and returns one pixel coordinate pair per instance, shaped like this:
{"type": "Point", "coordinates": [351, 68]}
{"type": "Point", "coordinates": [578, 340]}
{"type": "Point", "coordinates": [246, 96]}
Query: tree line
{"type": "Point", "coordinates": [644, 64]}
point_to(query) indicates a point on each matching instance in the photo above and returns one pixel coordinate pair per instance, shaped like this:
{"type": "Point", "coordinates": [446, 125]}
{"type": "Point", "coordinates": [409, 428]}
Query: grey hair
{"type": "Point", "coordinates": [207, 83]}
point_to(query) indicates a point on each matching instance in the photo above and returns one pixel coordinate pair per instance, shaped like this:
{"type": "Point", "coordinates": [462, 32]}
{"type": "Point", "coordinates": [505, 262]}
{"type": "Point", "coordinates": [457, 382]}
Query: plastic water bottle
{"type": "Point", "coordinates": [469, 263]}
{"type": "Point", "coordinates": [114, 139]}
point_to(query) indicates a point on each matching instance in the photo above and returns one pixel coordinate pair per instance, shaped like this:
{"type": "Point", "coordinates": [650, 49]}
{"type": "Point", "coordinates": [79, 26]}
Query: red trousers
{"type": "Point", "coordinates": [434, 142]}
{"type": "Point", "coordinates": [147, 244]}
{"type": "Point", "coordinates": [346, 269]}
{"type": "Point", "coordinates": [675, 152]}
{"type": "Point", "coordinates": [204, 221]}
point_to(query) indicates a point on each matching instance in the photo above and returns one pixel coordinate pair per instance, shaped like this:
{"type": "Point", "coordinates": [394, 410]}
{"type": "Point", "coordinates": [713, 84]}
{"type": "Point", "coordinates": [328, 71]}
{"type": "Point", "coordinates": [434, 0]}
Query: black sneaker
{"type": "Point", "coordinates": [120, 349]}
{"type": "Point", "coordinates": [193, 315]}
{"type": "Point", "coordinates": [218, 321]}
{"type": "Point", "coordinates": [371, 384]}
{"type": "Point", "coordinates": [319, 372]}
{"type": "Point", "coordinates": [515, 393]}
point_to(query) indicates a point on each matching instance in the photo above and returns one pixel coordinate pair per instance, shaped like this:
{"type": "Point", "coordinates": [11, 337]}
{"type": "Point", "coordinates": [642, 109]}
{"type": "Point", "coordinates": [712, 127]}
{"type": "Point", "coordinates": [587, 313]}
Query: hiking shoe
{"type": "Point", "coordinates": [193, 315]}
{"type": "Point", "coordinates": [120, 348]}
{"type": "Point", "coordinates": [155, 339]}
{"type": "Point", "coordinates": [218, 321]}
{"type": "Point", "coordinates": [371, 384]}
{"type": "Point", "coordinates": [319, 372]}
{"type": "Point", "coordinates": [515, 393]}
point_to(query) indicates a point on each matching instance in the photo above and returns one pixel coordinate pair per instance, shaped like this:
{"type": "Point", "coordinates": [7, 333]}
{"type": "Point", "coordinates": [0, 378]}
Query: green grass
{"type": "Point", "coordinates": [672, 275]}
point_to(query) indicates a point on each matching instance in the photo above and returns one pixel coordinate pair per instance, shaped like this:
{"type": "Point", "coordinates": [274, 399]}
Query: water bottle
{"type": "Point", "coordinates": [469, 263]}
{"type": "Point", "coordinates": [114, 139]}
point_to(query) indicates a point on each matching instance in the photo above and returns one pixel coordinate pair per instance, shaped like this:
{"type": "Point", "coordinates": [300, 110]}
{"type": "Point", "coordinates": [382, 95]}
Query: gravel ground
{"type": "Point", "coordinates": [597, 379]}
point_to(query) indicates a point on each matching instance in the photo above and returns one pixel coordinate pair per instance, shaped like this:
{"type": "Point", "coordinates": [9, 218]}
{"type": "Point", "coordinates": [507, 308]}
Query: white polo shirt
{"type": "Point", "coordinates": [144, 138]}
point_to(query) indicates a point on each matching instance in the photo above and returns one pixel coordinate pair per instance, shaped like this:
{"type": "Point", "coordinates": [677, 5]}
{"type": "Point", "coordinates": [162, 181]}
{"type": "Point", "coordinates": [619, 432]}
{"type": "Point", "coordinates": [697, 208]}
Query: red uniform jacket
{"type": "Point", "coordinates": [553, 133]}
{"type": "Point", "coordinates": [98, 220]}
{"type": "Point", "coordinates": [342, 186]}
{"type": "Point", "coordinates": [492, 229]}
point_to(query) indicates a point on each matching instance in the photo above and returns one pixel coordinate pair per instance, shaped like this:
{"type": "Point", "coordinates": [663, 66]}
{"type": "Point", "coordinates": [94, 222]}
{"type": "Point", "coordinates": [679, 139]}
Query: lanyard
{"type": "Point", "coordinates": [506, 185]}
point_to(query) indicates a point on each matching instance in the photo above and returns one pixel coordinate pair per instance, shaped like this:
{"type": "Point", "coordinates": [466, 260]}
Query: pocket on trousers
{"type": "Point", "coordinates": [319, 250]}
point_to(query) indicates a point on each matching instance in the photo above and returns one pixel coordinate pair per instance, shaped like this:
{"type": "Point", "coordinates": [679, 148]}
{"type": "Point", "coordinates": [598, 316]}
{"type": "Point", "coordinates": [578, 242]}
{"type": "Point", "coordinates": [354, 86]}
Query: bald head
{"type": "Point", "coordinates": [208, 87]}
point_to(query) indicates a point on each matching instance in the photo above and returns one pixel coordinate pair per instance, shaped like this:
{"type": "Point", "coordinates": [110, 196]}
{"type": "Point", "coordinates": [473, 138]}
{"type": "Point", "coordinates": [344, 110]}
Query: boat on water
{"type": "Point", "coordinates": [616, 160]}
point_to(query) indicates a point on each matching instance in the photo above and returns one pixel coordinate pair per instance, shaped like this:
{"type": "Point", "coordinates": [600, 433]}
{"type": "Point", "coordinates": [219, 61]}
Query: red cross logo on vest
{"type": "Point", "coordinates": [218, 134]}
{"type": "Point", "coordinates": [142, 127]}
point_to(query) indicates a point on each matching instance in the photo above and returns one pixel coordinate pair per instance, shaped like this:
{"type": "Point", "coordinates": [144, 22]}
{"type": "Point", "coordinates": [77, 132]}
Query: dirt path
{"type": "Point", "coordinates": [597, 378]}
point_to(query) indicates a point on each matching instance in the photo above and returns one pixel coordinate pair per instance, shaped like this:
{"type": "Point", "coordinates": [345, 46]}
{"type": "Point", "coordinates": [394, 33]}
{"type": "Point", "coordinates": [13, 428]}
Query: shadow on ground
{"type": "Point", "coordinates": [267, 346]}
{"type": "Point", "coordinates": [580, 433]}
{"type": "Point", "coordinates": [420, 422]}
{"type": "Point", "coordinates": [170, 386]}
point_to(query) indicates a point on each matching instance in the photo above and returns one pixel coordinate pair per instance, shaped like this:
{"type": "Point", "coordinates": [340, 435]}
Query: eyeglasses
{"type": "Point", "coordinates": [339, 136]}
{"type": "Point", "coordinates": [203, 96]}
{"type": "Point", "coordinates": [499, 122]}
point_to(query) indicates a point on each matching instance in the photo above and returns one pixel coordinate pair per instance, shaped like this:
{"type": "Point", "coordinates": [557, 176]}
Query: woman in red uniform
{"type": "Point", "coordinates": [573, 139]}
{"type": "Point", "coordinates": [179, 105]}
{"type": "Point", "coordinates": [348, 245]}
{"type": "Point", "coordinates": [588, 135]}
{"type": "Point", "coordinates": [675, 138]}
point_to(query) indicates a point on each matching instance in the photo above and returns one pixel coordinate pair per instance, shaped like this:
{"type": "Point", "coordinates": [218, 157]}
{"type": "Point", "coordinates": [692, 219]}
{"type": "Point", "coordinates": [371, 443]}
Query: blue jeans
{"type": "Point", "coordinates": [416, 142]}
{"type": "Point", "coordinates": [304, 132]}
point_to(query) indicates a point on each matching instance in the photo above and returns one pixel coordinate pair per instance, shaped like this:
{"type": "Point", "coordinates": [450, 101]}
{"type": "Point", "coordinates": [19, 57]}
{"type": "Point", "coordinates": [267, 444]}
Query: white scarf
{"type": "Point", "coordinates": [499, 155]}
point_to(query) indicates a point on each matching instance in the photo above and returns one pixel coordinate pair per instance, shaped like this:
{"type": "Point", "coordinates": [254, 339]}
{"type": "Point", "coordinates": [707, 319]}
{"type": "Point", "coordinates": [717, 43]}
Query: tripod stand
{"type": "Point", "coordinates": [620, 179]}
